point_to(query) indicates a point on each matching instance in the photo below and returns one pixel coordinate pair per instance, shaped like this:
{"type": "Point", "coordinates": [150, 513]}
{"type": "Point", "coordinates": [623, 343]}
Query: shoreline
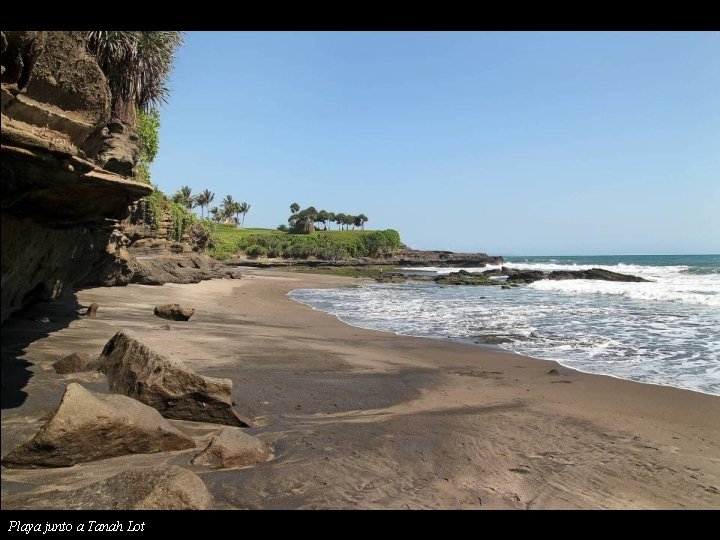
{"type": "Point", "coordinates": [498, 348]}
{"type": "Point", "coordinates": [364, 418]}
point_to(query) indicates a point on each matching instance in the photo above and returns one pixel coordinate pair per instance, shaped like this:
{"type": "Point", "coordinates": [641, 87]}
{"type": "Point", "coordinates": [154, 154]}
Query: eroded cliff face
{"type": "Point", "coordinates": [60, 207]}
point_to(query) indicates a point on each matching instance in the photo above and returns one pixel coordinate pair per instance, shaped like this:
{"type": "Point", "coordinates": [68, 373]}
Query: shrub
{"type": "Point", "coordinates": [255, 251]}
{"type": "Point", "coordinates": [201, 235]}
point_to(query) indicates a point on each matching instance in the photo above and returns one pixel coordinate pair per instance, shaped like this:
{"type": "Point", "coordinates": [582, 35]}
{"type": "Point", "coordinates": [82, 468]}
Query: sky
{"type": "Point", "coordinates": [511, 143]}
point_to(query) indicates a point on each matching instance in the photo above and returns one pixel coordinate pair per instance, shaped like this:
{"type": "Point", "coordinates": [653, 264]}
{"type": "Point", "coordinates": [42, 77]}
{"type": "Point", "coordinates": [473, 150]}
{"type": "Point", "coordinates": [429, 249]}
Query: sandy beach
{"type": "Point", "coordinates": [366, 419]}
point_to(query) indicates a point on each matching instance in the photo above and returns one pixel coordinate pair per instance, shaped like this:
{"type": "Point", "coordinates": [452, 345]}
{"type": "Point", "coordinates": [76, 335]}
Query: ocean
{"type": "Point", "coordinates": [666, 332]}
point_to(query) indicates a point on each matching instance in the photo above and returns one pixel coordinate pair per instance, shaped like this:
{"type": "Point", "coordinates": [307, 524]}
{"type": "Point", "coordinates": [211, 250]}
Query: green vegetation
{"type": "Point", "coordinates": [184, 197]}
{"type": "Point", "coordinates": [155, 206]}
{"type": "Point", "coordinates": [306, 221]}
{"type": "Point", "coordinates": [148, 128]}
{"type": "Point", "coordinates": [327, 245]}
{"type": "Point", "coordinates": [137, 65]}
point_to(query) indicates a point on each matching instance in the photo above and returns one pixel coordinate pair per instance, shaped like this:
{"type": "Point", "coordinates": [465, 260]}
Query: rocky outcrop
{"type": "Point", "coordinates": [116, 148]}
{"type": "Point", "coordinates": [74, 363]}
{"type": "Point", "coordinates": [59, 207]}
{"type": "Point", "coordinates": [135, 370]}
{"type": "Point", "coordinates": [174, 312]}
{"type": "Point", "coordinates": [88, 426]}
{"type": "Point", "coordinates": [464, 277]}
{"type": "Point", "coordinates": [180, 268]}
{"type": "Point", "coordinates": [232, 448]}
{"type": "Point", "coordinates": [150, 488]}
{"type": "Point", "coordinates": [63, 89]}
{"type": "Point", "coordinates": [593, 273]}
{"type": "Point", "coordinates": [404, 258]}
{"type": "Point", "coordinates": [412, 257]}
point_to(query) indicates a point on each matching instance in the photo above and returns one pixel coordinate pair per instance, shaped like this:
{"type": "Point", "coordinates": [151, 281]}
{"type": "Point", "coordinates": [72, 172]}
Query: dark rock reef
{"type": "Point", "coordinates": [530, 276]}
{"type": "Point", "coordinates": [514, 277]}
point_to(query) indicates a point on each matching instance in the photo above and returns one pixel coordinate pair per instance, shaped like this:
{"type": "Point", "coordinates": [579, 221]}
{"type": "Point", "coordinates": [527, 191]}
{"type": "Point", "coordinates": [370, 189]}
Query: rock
{"type": "Point", "coordinates": [528, 276]}
{"type": "Point", "coordinates": [596, 273]}
{"type": "Point", "coordinates": [150, 488]}
{"type": "Point", "coordinates": [232, 448]}
{"type": "Point", "coordinates": [593, 273]}
{"type": "Point", "coordinates": [118, 148]}
{"type": "Point", "coordinates": [92, 310]}
{"type": "Point", "coordinates": [72, 363]}
{"type": "Point", "coordinates": [88, 426]}
{"type": "Point", "coordinates": [465, 278]}
{"type": "Point", "coordinates": [553, 372]}
{"type": "Point", "coordinates": [176, 268]}
{"type": "Point", "coordinates": [234, 274]}
{"type": "Point", "coordinates": [174, 312]}
{"type": "Point", "coordinates": [506, 287]}
{"type": "Point", "coordinates": [166, 384]}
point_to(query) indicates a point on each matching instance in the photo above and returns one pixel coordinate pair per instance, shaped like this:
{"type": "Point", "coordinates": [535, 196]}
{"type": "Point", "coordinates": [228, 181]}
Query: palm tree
{"type": "Point", "coordinates": [243, 208]}
{"type": "Point", "coordinates": [204, 198]}
{"type": "Point", "coordinates": [228, 205]}
{"type": "Point", "coordinates": [349, 220]}
{"type": "Point", "coordinates": [294, 207]}
{"type": "Point", "coordinates": [360, 221]}
{"type": "Point", "coordinates": [136, 65]}
{"type": "Point", "coordinates": [216, 214]}
{"type": "Point", "coordinates": [184, 197]}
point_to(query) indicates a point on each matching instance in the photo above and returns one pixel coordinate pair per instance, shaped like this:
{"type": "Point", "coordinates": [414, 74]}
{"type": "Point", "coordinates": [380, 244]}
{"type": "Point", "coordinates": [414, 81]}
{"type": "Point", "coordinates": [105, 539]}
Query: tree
{"type": "Point", "coordinates": [361, 220]}
{"type": "Point", "coordinates": [340, 219]}
{"type": "Point", "coordinates": [136, 65]}
{"type": "Point", "coordinates": [349, 220]}
{"type": "Point", "coordinates": [243, 208]}
{"type": "Point", "coordinates": [216, 214]}
{"type": "Point", "coordinates": [203, 199]}
{"type": "Point", "coordinates": [322, 218]}
{"type": "Point", "coordinates": [294, 207]}
{"type": "Point", "coordinates": [228, 205]}
{"type": "Point", "coordinates": [184, 197]}
{"type": "Point", "coordinates": [330, 217]}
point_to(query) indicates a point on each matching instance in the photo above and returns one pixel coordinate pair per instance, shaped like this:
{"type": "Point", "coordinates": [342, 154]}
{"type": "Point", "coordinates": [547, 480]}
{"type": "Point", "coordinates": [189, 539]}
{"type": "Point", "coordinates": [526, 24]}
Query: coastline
{"type": "Point", "coordinates": [500, 349]}
{"type": "Point", "coordinates": [370, 419]}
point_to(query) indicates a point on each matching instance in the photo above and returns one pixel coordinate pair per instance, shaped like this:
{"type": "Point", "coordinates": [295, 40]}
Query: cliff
{"type": "Point", "coordinates": [62, 198]}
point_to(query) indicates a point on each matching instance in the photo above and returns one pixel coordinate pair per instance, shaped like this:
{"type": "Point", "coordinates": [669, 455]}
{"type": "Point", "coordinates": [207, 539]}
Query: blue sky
{"type": "Point", "coordinates": [505, 142]}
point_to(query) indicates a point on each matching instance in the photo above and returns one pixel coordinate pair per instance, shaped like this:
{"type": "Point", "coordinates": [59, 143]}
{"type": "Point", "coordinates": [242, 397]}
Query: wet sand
{"type": "Point", "coordinates": [367, 419]}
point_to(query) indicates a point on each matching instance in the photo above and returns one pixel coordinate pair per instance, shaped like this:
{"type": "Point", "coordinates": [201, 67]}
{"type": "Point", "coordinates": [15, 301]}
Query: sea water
{"type": "Point", "coordinates": [664, 332]}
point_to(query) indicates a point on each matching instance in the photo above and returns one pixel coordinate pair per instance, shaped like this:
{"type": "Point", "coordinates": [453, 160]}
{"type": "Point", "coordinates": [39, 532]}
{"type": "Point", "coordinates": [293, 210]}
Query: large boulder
{"type": "Point", "coordinates": [150, 488]}
{"type": "Point", "coordinates": [88, 426]}
{"type": "Point", "coordinates": [174, 312]}
{"type": "Point", "coordinates": [232, 448]}
{"type": "Point", "coordinates": [72, 363]}
{"type": "Point", "coordinates": [175, 268]}
{"type": "Point", "coordinates": [169, 386]}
